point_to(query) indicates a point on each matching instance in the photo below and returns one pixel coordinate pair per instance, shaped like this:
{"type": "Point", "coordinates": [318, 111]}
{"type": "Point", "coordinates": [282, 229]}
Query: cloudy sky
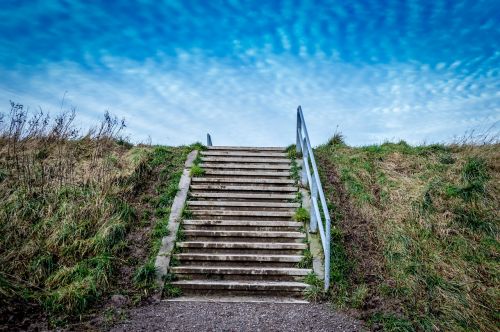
{"type": "Point", "coordinates": [421, 70]}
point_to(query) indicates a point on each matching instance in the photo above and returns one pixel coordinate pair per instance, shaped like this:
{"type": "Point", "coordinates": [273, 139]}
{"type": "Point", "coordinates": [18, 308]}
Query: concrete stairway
{"type": "Point", "coordinates": [241, 238]}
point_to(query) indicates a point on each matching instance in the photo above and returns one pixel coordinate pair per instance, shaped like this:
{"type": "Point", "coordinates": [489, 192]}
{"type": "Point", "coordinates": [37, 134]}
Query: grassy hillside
{"type": "Point", "coordinates": [81, 215]}
{"type": "Point", "coordinates": [415, 236]}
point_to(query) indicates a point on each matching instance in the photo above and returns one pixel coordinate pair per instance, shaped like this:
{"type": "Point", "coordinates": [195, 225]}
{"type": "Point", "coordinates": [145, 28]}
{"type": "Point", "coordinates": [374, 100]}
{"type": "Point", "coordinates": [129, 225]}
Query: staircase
{"type": "Point", "coordinates": [241, 239]}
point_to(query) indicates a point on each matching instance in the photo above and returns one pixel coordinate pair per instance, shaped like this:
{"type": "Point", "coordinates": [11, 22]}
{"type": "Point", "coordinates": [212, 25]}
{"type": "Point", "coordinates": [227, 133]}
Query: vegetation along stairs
{"type": "Point", "coordinates": [239, 237]}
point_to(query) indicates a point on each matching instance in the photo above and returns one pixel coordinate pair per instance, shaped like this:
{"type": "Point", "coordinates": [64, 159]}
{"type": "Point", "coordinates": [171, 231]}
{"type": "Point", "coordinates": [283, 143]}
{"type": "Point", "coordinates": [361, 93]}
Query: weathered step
{"type": "Point", "coordinates": [233, 196]}
{"type": "Point", "coordinates": [234, 180]}
{"type": "Point", "coordinates": [254, 271]}
{"type": "Point", "coordinates": [246, 166]}
{"type": "Point", "coordinates": [252, 225]}
{"type": "Point", "coordinates": [243, 214]}
{"type": "Point", "coordinates": [243, 188]}
{"type": "Point", "coordinates": [253, 287]}
{"type": "Point", "coordinates": [242, 236]}
{"type": "Point", "coordinates": [246, 160]}
{"type": "Point", "coordinates": [240, 258]}
{"type": "Point", "coordinates": [242, 247]}
{"type": "Point", "coordinates": [243, 204]}
{"type": "Point", "coordinates": [265, 154]}
{"type": "Point", "coordinates": [245, 148]}
{"type": "Point", "coordinates": [248, 174]}
{"type": "Point", "coordinates": [287, 271]}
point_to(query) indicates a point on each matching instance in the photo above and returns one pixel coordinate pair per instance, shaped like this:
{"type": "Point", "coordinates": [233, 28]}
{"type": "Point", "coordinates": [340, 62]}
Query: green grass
{"type": "Point", "coordinates": [197, 171]}
{"type": "Point", "coordinates": [435, 214]}
{"type": "Point", "coordinates": [315, 291]}
{"type": "Point", "coordinates": [301, 215]}
{"type": "Point", "coordinates": [307, 260]}
{"type": "Point", "coordinates": [62, 244]}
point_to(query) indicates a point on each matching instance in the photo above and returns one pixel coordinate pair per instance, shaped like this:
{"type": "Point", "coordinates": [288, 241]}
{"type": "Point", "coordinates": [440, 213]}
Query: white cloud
{"type": "Point", "coordinates": [177, 100]}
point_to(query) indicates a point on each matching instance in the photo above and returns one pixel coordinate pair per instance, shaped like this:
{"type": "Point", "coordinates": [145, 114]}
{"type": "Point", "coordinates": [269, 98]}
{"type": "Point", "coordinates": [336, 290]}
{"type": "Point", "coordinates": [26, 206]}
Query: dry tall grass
{"type": "Point", "coordinates": [63, 209]}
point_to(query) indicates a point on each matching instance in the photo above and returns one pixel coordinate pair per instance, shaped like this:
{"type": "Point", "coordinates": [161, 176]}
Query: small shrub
{"type": "Point", "coordinates": [336, 140]}
{"type": "Point", "coordinates": [145, 275]}
{"type": "Point", "coordinates": [301, 215]}
{"type": "Point", "coordinates": [170, 291]}
{"type": "Point", "coordinates": [315, 291]}
{"type": "Point", "coordinates": [307, 260]}
{"type": "Point", "coordinates": [197, 171]}
{"type": "Point", "coordinates": [475, 170]}
{"type": "Point", "coordinates": [291, 150]}
{"type": "Point", "coordinates": [358, 296]}
{"type": "Point", "coordinates": [446, 159]}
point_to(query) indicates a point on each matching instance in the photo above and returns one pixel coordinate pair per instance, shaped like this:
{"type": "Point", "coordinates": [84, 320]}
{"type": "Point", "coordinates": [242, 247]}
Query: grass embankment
{"type": "Point", "coordinates": [81, 216]}
{"type": "Point", "coordinates": [415, 233]}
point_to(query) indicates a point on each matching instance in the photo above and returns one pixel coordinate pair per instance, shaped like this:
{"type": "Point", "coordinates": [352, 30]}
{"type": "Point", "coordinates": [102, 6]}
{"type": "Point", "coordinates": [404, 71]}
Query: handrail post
{"type": "Point", "coordinates": [314, 198]}
{"type": "Point", "coordinates": [305, 159]}
{"type": "Point", "coordinates": [298, 144]}
{"type": "Point", "coordinates": [209, 140]}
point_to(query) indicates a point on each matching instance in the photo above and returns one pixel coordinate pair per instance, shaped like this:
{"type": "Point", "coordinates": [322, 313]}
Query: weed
{"type": "Point", "coordinates": [145, 275]}
{"type": "Point", "coordinates": [315, 291]}
{"type": "Point", "coordinates": [358, 296]}
{"type": "Point", "coordinates": [198, 146]}
{"type": "Point", "coordinates": [295, 171]}
{"type": "Point", "coordinates": [187, 213]}
{"type": "Point", "coordinates": [170, 291]}
{"type": "Point", "coordinates": [197, 171]}
{"type": "Point", "coordinates": [446, 159]}
{"type": "Point", "coordinates": [336, 140]}
{"type": "Point", "coordinates": [307, 259]}
{"type": "Point", "coordinates": [180, 236]}
{"type": "Point", "coordinates": [291, 150]}
{"type": "Point", "coordinates": [301, 215]}
{"type": "Point", "coordinates": [393, 323]}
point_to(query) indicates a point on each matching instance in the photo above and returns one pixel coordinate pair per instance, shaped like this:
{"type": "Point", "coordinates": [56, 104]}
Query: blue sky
{"type": "Point", "coordinates": [423, 71]}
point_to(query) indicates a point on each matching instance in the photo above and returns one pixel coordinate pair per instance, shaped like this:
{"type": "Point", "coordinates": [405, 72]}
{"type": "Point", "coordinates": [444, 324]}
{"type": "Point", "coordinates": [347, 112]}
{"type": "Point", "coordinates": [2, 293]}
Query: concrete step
{"type": "Point", "coordinates": [247, 174]}
{"type": "Point", "coordinates": [234, 196]}
{"type": "Point", "coordinates": [274, 205]}
{"type": "Point", "coordinates": [241, 225]}
{"type": "Point", "coordinates": [245, 148]}
{"type": "Point", "coordinates": [243, 188]}
{"type": "Point", "coordinates": [240, 258]}
{"type": "Point", "coordinates": [240, 271]}
{"type": "Point", "coordinates": [246, 166]}
{"type": "Point", "coordinates": [288, 248]}
{"type": "Point", "coordinates": [246, 160]}
{"type": "Point", "coordinates": [244, 215]}
{"type": "Point", "coordinates": [264, 154]}
{"type": "Point", "coordinates": [243, 236]}
{"type": "Point", "coordinates": [235, 180]}
{"type": "Point", "coordinates": [238, 287]}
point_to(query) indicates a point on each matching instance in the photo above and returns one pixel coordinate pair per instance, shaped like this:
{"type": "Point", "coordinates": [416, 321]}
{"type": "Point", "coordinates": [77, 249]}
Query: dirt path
{"type": "Point", "coordinates": [203, 316]}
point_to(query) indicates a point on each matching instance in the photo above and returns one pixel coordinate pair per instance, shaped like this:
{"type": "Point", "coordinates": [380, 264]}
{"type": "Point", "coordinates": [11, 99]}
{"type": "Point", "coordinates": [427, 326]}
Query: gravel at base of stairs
{"type": "Point", "coordinates": [205, 316]}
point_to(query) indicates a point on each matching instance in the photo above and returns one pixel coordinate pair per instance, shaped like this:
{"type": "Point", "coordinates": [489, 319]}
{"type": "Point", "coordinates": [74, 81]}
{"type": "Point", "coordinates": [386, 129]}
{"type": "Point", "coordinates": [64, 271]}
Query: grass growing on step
{"type": "Point", "coordinates": [301, 215]}
{"type": "Point", "coordinates": [170, 291]}
{"type": "Point", "coordinates": [428, 216]}
{"type": "Point", "coordinates": [186, 212]}
{"type": "Point", "coordinates": [197, 171]}
{"type": "Point", "coordinates": [315, 291]}
{"type": "Point", "coordinates": [306, 261]}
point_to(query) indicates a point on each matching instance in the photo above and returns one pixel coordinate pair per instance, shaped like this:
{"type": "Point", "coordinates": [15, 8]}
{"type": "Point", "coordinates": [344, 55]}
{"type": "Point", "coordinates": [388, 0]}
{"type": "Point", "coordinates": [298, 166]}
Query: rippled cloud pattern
{"type": "Point", "coordinates": [421, 70]}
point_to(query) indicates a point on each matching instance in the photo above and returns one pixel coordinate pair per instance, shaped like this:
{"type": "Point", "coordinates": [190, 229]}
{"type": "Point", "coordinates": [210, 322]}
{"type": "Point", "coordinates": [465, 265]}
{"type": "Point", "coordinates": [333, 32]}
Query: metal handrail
{"type": "Point", "coordinates": [322, 222]}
